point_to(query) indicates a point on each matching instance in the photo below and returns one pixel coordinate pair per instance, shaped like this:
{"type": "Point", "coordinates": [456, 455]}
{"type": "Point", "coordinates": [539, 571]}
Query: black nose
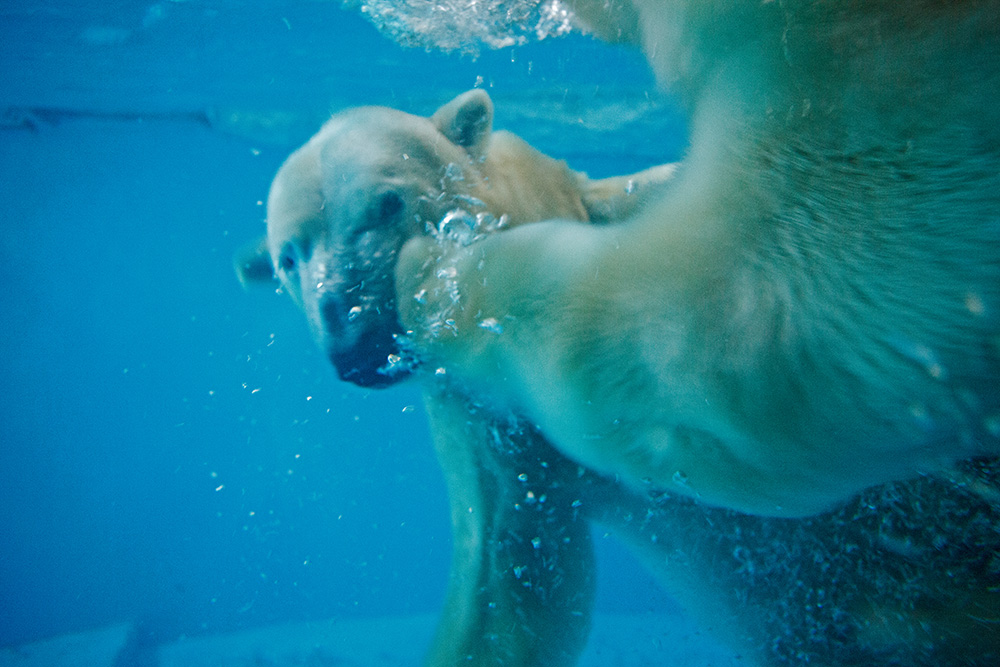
{"type": "Point", "coordinates": [364, 362]}
{"type": "Point", "coordinates": [333, 317]}
{"type": "Point", "coordinates": [359, 341]}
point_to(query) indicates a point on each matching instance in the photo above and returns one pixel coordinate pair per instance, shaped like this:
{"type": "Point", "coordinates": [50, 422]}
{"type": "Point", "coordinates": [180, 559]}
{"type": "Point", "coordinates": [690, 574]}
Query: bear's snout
{"type": "Point", "coordinates": [333, 319]}
{"type": "Point", "coordinates": [358, 340]}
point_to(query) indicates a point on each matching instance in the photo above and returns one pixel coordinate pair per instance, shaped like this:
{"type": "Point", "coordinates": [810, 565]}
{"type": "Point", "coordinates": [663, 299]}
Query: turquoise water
{"type": "Point", "coordinates": [173, 451]}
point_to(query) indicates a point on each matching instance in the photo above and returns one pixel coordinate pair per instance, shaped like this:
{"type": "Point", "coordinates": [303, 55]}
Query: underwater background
{"type": "Point", "coordinates": [174, 453]}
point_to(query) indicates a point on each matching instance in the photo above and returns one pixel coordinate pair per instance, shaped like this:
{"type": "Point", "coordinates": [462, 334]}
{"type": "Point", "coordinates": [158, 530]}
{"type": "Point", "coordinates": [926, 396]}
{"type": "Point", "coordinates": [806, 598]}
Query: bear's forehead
{"type": "Point", "coordinates": [375, 139]}
{"type": "Point", "coordinates": [343, 172]}
{"type": "Point", "coordinates": [374, 126]}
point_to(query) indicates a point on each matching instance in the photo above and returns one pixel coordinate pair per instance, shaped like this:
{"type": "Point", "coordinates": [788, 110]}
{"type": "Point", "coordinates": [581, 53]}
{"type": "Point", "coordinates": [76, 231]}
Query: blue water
{"type": "Point", "coordinates": [173, 451]}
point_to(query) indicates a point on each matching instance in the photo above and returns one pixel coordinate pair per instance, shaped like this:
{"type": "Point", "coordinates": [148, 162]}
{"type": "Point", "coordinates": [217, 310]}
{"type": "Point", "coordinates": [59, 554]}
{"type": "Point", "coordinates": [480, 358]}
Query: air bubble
{"type": "Point", "coordinates": [460, 25]}
{"type": "Point", "coordinates": [923, 355]}
{"type": "Point", "coordinates": [398, 364]}
{"type": "Point", "coordinates": [447, 272]}
{"type": "Point", "coordinates": [453, 172]}
{"type": "Point", "coordinates": [974, 303]}
{"type": "Point", "coordinates": [457, 226]}
{"type": "Point", "coordinates": [491, 325]}
{"type": "Point", "coordinates": [922, 416]}
{"type": "Point", "coordinates": [474, 202]}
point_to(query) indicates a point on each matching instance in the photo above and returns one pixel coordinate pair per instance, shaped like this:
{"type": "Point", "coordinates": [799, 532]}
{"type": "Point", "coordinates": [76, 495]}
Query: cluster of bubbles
{"type": "Point", "coordinates": [463, 224]}
{"type": "Point", "coordinates": [457, 229]}
{"type": "Point", "coordinates": [467, 220]}
{"type": "Point", "coordinates": [466, 25]}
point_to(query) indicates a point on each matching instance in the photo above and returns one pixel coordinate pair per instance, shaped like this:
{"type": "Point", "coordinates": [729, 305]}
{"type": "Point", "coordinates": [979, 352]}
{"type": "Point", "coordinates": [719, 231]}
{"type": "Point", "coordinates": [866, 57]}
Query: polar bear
{"type": "Point", "coordinates": [339, 210]}
{"type": "Point", "coordinates": [342, 206]}
{"type": "Point", "coordinates": [887, 579]}
{"type": "Point", "coordinates": [810, 308]}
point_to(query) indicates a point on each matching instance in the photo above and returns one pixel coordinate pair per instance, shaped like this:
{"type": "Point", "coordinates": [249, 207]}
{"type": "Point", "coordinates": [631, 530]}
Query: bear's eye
{"type": "Point", "coordinates": [390, 204]}
{"type": "Point", "coordinates": [288, 260]}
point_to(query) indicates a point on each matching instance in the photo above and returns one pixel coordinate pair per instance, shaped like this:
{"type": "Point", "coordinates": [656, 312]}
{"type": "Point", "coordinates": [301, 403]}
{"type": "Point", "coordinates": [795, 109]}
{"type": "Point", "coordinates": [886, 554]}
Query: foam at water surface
{"type": "Point", "coordinates": [459, 25]}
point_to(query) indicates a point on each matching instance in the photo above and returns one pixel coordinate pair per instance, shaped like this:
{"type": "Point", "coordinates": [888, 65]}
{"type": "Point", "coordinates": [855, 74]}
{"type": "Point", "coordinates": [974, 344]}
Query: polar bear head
{"type": "Point", "coordinates": [341, 207]}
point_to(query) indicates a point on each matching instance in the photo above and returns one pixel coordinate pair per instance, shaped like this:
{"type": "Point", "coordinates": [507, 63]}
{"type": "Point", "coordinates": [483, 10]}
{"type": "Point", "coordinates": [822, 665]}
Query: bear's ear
{"type": "Point", "coordinates": [253, 263]}
{"type": "Point", "coordinates": [467, 121]}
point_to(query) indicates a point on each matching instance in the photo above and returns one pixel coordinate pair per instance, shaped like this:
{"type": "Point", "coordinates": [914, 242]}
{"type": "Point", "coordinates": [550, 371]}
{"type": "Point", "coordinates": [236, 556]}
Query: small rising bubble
{"type": "Point", "coordinates": [492, 325]}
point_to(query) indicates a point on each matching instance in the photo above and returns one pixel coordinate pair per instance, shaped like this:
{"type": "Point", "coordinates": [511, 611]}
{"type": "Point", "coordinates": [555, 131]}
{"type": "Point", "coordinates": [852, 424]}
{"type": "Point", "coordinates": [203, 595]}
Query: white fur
{"type": "Point", "coordinates": [810, 309]}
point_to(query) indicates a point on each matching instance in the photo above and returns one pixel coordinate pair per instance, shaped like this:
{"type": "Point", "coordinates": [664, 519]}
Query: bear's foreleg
{"type": "Point", "coordinates": [522, 577]}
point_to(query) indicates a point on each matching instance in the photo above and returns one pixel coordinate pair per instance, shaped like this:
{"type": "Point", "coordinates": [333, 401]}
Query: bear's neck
{"type": "Point", "coordinates": [526, 185]}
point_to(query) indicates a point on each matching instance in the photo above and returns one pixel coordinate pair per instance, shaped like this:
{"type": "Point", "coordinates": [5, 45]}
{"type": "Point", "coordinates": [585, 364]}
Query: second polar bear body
{"type": "Point", "coordinates": [812, 306]}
